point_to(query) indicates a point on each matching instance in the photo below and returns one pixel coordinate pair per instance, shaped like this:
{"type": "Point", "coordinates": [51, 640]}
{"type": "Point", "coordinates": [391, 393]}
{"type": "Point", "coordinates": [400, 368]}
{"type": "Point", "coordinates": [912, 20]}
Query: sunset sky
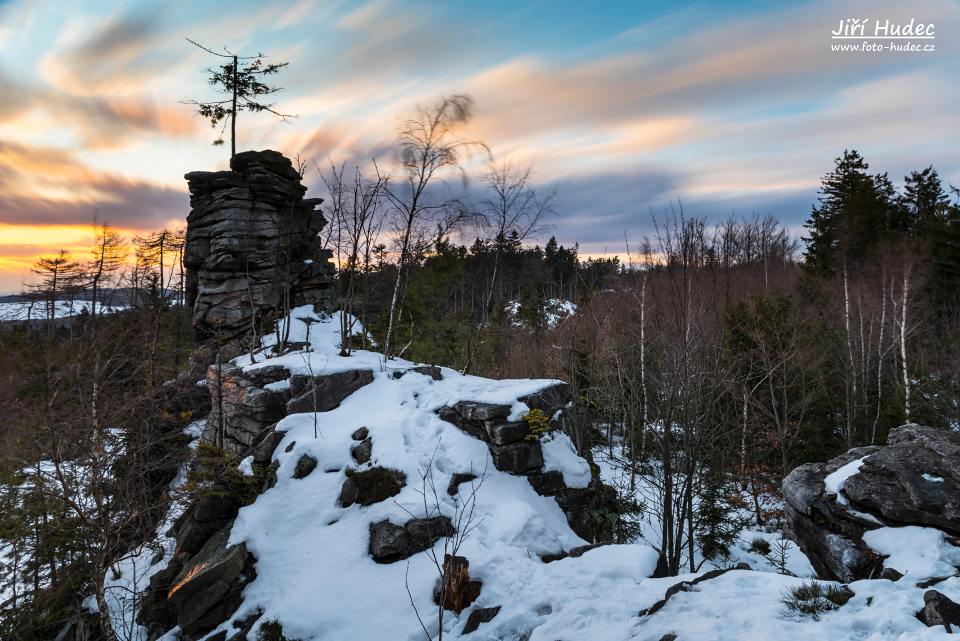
{"type": "Point", "coordinates": [622, 106]}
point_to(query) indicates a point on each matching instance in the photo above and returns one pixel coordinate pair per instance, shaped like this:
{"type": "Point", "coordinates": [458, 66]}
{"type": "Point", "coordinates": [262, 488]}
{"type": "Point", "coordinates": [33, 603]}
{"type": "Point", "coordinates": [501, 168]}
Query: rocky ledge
{"type": "Point", "coordinates": [913, 480]}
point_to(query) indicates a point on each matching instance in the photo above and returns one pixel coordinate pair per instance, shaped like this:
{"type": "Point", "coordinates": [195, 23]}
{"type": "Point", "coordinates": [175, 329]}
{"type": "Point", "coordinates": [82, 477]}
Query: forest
{"type": "Point", "coordinates": [707, 359]}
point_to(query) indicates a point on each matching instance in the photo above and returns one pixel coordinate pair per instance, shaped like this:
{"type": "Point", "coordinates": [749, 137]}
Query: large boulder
{"type": "Point", "coordinates": [252, 245]}
{"type": "Point", "coordinates": [390, 542]}
{"type": "Point", "coordinates": [913, 480]}
{"type": "Point", "coordinates": [324, 393]}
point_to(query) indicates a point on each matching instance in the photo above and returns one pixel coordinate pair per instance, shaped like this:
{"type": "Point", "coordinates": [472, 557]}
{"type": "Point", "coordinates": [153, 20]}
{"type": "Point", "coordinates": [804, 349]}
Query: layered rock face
{"type": "Point", "coordinates": [913, 480]}
{"type": "Point", "coordinates": [516, 450]}
{"type": "Point", "coordinates": [252, 246]}
{"type": "Point", "coordinates": [245, 406]}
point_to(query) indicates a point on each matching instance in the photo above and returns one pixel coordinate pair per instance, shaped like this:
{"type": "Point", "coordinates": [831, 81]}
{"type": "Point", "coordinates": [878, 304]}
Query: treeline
{"type": "Point", "coordinates": [92, 416]}
{"type": "Point", "coordinates": [144, 268]}
{"type": "Point", "coordinates": [715, 358]}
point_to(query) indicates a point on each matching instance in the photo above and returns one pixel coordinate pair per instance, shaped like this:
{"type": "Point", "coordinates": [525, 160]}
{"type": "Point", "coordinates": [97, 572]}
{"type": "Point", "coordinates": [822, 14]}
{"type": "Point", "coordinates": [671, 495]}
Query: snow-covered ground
{"type": "Point", "coordinates": [21, 310]}
{"type": "Point", "coordinates": [315, 576]}
{"type": "Point", "coordinates": [314, 573]}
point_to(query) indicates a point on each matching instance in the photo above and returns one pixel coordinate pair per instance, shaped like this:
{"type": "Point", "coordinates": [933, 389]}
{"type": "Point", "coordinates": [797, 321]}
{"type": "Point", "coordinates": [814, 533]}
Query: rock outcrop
{"type": "Point", "coordinates": [246, 405]}
{"type": "Point", "coordinates": [243, 407]}
{"type": "Point", "coordinates": [516, 449]}
{"type": "Point", "coordinates": [390, 543]}
{"type": "Point", "coordinates": [197, 590]}
{"type": "Point", "coordinates": [913, 480]}
{"type": "Point", "coordinates": [209, 587]}
{"type": "Point", "coordinates": [252, 246]}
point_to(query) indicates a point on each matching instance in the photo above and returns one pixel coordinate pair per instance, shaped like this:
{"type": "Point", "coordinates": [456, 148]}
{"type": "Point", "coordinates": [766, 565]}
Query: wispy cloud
{"type": "Point", "coordinates": [46, 186]}
{"type": "Point", "coordinates": [729, 108]}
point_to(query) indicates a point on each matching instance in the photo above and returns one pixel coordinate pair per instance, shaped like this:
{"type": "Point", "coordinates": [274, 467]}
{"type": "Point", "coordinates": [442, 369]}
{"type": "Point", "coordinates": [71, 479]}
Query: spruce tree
{"type": "Point", "coordinates": [855, 212]}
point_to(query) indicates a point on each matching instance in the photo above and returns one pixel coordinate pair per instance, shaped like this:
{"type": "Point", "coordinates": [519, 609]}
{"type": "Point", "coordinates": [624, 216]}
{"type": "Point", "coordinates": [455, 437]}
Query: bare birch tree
{"type": "Point", "coordinates": [430, 148]}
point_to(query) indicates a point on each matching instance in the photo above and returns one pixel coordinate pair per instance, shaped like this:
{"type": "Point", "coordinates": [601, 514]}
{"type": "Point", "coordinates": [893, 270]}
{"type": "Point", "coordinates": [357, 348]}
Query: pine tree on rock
{"type": "Point", "coordinates": [241, 79]}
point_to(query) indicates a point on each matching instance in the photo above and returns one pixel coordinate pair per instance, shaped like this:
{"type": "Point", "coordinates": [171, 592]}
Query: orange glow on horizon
{"type": "Point", "coordinates": [23, 245]}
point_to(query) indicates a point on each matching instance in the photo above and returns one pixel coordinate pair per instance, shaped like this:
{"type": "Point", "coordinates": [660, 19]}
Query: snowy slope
{"type": "Point", "coordinates": [315, 576]}
{"type": "Point", "coordinates": [314, 573]}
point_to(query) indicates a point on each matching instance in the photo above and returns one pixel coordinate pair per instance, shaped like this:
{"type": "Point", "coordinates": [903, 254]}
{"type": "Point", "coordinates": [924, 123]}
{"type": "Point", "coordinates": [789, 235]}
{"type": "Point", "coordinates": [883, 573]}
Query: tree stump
{"type": "Point", "coordinates": [457, 591]}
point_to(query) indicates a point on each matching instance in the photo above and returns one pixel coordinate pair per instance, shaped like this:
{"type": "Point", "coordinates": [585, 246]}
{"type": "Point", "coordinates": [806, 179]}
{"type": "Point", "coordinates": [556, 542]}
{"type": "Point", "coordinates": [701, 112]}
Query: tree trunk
{"type": "Point", "coordinates": [883, 317]}
{"type": "Point", "coordinates": [391, 325]}
{"type": "Point", "coordinates": [233, 114]}
{"type": "Point", "coordinates": [903, 342]}
{"type": "Point", "coordinates": [105, 623]}
{"type": "Point", "coordinates": [851, 374]}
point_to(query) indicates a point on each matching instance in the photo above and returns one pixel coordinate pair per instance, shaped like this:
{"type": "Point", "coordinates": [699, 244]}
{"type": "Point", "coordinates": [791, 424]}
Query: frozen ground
{"type": "Point", "coordinates": [315, 576]}
{"type": "Point", "coordinates": [21, 311]}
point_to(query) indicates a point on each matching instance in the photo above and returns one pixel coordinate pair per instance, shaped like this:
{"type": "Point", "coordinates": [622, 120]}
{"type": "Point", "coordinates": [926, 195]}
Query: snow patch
{"type": "Point", "coordinates": [834, 482]}
{"type": "Point", "coordinates": [919, 552]}
{"type": "Point", "coordinates": [246, 466]}
{"type": "Point", "coordinates": [560, 455]}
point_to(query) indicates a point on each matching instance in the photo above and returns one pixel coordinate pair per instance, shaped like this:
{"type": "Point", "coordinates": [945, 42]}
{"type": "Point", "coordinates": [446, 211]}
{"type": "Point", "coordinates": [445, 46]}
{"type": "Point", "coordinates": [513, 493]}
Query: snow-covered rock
{"type": "Point", "coordinates": [839, 511]}
{"type": "Point", "coordinates": [312, 565]}
{"type": "Point", "coordinates": [362, 455]}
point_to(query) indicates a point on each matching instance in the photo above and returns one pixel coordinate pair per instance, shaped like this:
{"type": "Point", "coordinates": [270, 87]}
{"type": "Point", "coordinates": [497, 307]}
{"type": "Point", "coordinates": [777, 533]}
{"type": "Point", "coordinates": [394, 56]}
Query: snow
{"type": "Point", "coordinates": [559, 454]}
{"type": "Point", "coordinates": [315, 576]}
{"type": "Point", "coordinates": [555, 311]}
{"type": "Point", "coordinates": [795, 562]}
{"type": "Point", "coordinates": [246, 466]}
{"type": "Point", "coordinates": [558, 310]}
{"type": "Point", "coordinates": [917, 552]}
{"type": "Point", "coordinates": [309, 550]}
{"type": "Point", "coordinates": [323, 358]}
{"type": "Point", "coordinates": [745, 606]}
{"type": "Point", "coordinates": [22, 310]}
{"type": "Point", "coordinates": [833, 483]}
{"type": "Point", "coordinates": [296, 528]}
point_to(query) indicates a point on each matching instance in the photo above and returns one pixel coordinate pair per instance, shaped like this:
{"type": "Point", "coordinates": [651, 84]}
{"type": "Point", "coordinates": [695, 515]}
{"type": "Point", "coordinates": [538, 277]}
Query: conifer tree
{"type": "Point", "coordinates": [241, 80]}
{"type": "Point", "coordinates": [57, 276]}
{"type": "Point", "coordinates": [855, 211]}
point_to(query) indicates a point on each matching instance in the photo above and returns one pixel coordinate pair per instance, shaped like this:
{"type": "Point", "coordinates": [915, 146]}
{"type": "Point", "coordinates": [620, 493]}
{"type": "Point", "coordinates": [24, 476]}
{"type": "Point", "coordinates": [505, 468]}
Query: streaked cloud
{"type": "Point", "coordinates": [45, 186]}
{"type": "Point", "coordinates": [729, 107]}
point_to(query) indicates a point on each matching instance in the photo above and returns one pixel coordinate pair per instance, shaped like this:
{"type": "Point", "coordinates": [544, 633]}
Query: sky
{"type": "Point", "coordinates": [624, 108]}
